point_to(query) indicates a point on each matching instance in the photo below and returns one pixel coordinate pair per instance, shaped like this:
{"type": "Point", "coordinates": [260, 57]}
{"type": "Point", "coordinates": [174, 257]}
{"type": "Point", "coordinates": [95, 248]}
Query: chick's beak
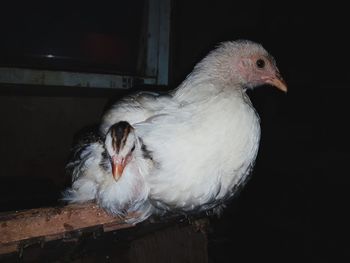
{"type": "Point", "coordinates": [277, 81]}
{"type": "Point", "coordinates": [117, 167]}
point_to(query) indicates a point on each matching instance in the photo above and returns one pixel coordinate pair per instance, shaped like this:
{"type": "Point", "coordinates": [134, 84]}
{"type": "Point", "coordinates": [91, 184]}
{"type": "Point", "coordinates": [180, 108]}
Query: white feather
{"type": "Point", "coordinates": [129, 193]}
{"type": "Point", "coordinates": [93, 182]}
{"type": "Point", "coordinates": [87, 175]}
{"type": "Point", "coordinates": [203, 150]}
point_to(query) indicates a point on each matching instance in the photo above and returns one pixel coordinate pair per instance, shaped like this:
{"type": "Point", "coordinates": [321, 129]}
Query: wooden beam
{"type": "Point", "coordinates": [47, 224]}
{"type": "Point", "coordinates": [54, 78]}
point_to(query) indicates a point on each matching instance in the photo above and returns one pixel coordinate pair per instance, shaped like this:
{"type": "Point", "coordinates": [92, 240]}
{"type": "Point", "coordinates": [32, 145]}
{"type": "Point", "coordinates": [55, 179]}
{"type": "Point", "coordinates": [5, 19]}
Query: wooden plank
{"type": "Point", "coordinates": [176, 240]}
{"type": "Point", "coordinates": [52, 223]}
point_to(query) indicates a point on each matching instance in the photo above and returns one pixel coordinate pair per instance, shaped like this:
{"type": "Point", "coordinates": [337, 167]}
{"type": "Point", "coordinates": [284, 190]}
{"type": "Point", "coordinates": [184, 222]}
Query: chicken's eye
{"type": "Point", "coordinates": [260, 63]}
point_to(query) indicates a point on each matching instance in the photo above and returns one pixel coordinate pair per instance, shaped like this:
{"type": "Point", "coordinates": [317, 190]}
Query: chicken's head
{"type": "Point", "coordinates": [120, 143]}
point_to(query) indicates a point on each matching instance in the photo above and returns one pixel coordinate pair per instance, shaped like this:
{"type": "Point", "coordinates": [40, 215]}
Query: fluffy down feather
{"type": "Point", "coordinates": [93, 179]}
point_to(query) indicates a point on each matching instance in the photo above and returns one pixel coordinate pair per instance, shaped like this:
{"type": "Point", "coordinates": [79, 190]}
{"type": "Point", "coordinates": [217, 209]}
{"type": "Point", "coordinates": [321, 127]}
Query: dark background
{"type": "Point", "coordinates": [294, 209]}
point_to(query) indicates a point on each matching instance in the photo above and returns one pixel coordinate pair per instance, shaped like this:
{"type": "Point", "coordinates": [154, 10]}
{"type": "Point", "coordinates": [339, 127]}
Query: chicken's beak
{"type": "Point", "coordinates": [277, 81]}
{"type": "Point", "coordinates": [117, 167]}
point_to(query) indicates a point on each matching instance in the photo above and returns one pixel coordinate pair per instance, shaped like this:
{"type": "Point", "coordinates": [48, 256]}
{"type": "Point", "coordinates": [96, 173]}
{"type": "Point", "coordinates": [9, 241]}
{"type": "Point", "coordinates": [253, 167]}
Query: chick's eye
{"type": "Point", "coordinates": [260, 63]}
{"type": "Point", "coordinates": [133, 148]}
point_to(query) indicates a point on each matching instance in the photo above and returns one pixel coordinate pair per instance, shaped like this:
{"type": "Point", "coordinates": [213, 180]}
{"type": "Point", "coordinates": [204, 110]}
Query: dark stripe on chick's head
{"type": "Point", "coordinates": [119, 133]}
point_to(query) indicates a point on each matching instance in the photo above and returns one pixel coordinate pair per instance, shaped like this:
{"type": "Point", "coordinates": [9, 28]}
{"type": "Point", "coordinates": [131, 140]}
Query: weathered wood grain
{"type": "Point", "coordinates": [53, 223]}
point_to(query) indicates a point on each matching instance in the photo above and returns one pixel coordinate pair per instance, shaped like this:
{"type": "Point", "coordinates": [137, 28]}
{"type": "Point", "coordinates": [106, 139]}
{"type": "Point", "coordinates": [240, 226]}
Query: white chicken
{"type": "Point", "coordinates": [203, 137]}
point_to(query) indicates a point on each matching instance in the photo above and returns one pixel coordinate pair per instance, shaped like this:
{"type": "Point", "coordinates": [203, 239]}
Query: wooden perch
{"type": "Point", "coordinates": [47, 224]}
{"type": "Point", "coordinates": [85, 232]}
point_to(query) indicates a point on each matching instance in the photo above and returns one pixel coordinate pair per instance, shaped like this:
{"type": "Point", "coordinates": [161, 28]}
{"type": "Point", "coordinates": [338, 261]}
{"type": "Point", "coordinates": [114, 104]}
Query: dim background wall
{"type": "Point", "coordinates": [36, 136]}
{"type": "Point", "coordinates": [294, 206]}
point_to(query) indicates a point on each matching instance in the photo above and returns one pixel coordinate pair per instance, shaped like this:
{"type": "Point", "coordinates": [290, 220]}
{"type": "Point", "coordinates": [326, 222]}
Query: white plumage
{"type": "Point", "coordinates": [204, 136]}
{"type": "Point", "coordinates": [96, 175]}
